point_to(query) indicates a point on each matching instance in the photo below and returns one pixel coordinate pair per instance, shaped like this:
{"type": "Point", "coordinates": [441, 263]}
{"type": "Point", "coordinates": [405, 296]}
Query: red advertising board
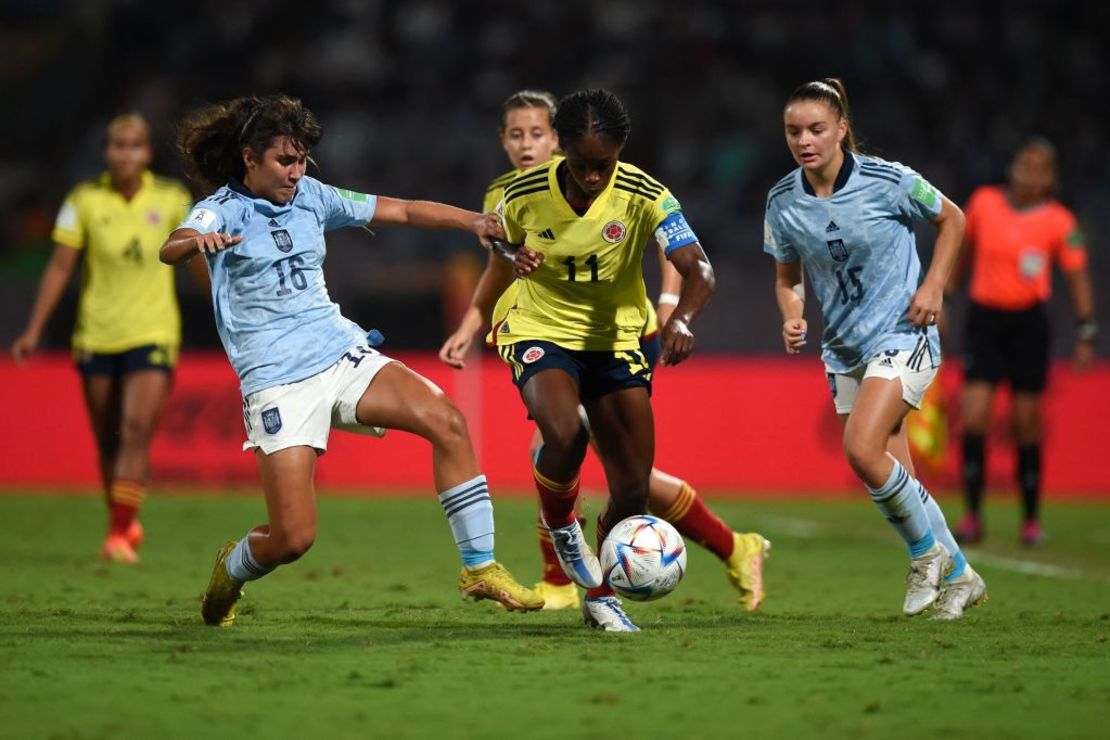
{"type": "Point", "coordinates": [724, 423]}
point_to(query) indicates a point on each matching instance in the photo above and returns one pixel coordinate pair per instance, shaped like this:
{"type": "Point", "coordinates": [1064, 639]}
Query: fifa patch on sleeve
{"type": "Point", "coordinates": [351, 195]}
{"type": "Point", "coordinates": [674, 232]}
{"type": "Point", "coordinates": [670, 205]}
{"type": "Point", "coordinates": [924, 193]}
{"type": "Point", "coordinates": [201, 219]}
{"type": "Point", "coordinates": [1074, 240]}
{"type": "Point", "coordinates": [67, 217]}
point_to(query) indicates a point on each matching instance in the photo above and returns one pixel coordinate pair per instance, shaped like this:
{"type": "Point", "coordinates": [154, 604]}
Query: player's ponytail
{"type": "Point", "coordinates": [596, 111]}
{"type": "Point", "coordinates": [829, 91]}
{"type": "Point", "coordinates": [212, 138]}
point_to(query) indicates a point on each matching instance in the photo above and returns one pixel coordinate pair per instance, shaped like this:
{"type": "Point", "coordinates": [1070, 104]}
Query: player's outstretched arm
{"type": "Point", "coordinates": [698, 284]}
{"type": "Point", "coordinates": [184, 244]}
{"type": "Point", "coordinates": [425, 214]}
{"type": "Point", "coordinates": [495, 278]}
{"type": "Point", "coordinates": [51, 287]}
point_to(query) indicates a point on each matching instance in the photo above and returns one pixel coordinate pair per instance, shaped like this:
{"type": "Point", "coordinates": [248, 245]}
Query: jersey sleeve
{"type": "Point", "coordinates": [916, 198]}
{"type": "Point", "coordinates": [342, 207]}
{"type": "Point", "coordinates": [514, 232]}
{"type": "Point", "coordinates": [1071, 253]}
{"type": "Point", "coordinates": [671, 229]}
{"type": "Point", "coordinates": [69, 226]}
{"type": "Point", "coordinates": [774, 242]}
{"type": "Point", "coordinates": [206, 217]}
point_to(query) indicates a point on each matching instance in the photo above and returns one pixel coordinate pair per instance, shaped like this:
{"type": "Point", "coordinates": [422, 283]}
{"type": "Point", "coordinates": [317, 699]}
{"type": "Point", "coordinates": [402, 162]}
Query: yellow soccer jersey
{"type": "Point", "coordinates": [589, 293]}
{"type": "Point", "coordinates": [127, 294]}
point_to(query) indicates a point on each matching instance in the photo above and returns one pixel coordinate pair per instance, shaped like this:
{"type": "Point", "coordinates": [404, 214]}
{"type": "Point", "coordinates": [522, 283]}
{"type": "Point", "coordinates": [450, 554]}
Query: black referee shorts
{"type": "Point", "coordinates": [1007, 345]}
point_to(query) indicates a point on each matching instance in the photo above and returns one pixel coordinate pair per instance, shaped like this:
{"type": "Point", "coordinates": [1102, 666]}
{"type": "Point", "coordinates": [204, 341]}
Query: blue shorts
{"type": "Point", "coordinates": [148, 357]}
{"type": "Point", "coordinates": [597, 373]}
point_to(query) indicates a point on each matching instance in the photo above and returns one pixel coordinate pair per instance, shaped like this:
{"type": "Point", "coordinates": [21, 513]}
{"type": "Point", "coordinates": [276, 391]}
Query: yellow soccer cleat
{"type": "Point", "coordinates": [492, 581]}
{"type": "Point", "coordinates": [218, 606]}
{"type": "Point", "coordinates": [745, 568]}
{"type": "Point", "coordinates": [117, 549]}
{"type": "Point", "coordinates": [557, 597]}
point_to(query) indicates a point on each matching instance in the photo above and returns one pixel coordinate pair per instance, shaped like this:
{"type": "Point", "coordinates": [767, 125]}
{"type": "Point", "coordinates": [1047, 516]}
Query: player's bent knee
{"type": "Point", "coordinates": [136, 432]}
{"type": "Point", "coordinates": [295, 544]}
{"type": "Point", "coordinates": [445, 425]}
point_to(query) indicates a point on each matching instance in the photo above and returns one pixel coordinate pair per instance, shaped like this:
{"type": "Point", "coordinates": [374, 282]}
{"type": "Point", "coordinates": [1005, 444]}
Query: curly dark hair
{"type": "Point", "coordinates": [212, 138]}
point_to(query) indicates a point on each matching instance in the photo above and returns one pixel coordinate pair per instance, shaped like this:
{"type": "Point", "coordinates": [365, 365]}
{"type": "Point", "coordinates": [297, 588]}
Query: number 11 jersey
{"type": "Point", "coordinates": [589, 292]}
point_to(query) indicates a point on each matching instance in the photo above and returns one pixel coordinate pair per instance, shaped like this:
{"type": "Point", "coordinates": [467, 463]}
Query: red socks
{"type": "Point", "coordinates": [694, 521]}
{"type": "Point", "coordinates": [125, 499]}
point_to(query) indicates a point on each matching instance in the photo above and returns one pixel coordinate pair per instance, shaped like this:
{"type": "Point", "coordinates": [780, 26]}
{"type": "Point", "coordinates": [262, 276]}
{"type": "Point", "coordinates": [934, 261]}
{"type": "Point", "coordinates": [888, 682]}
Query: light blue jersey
{"type": "Point", "coordinates": [275, 318]}
{"type": "Point", "coordinates": [860, 256]}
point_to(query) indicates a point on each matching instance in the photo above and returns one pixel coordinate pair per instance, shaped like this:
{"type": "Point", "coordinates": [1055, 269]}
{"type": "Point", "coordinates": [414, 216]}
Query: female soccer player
{"type": "Point", "coordinates": [128, 325]}
{"type": "Point", "coordinates": [529, 139]}
{"type": "Point", "coordinates": [571, 332]}
{"type": "Point", "coordinates": [302, 366]}
{"type": "Point", "coordinates": [849, 219]}
{"type": "Point", "coordinates": [1013, 235]}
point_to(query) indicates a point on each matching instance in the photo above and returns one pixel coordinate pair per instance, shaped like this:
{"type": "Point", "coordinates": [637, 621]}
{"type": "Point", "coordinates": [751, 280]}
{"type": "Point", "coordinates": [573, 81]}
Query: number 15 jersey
{"type": "Point", "coordinates": [589, 292]}
{"type": "Point", "coordinates": [860, 255]}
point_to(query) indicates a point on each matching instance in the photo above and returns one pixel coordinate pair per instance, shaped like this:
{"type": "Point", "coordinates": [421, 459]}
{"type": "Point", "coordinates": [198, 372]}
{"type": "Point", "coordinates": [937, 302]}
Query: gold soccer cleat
{"type": "Point", "coordinates": [492, 581]}
{"type": "Point", "coordinates": [218, 606]}
{"type": "Point", "coordinates": [745, 568]}
{"type": "Point", "coordinates": [557, 597]}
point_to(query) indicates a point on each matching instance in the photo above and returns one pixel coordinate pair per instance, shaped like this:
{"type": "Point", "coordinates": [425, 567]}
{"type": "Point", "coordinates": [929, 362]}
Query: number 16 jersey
{"type": "Point", "coordinates": [275, 318]}
{"type": "Point", "coordinates": [589, 292]}
{"type": "Point", "coordinates": [859, 253]}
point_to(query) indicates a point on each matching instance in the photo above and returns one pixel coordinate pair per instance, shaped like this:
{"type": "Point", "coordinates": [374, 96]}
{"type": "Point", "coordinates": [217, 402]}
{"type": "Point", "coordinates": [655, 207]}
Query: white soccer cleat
{"type": "Point", "coordinates": [605, 612]}
{"type": "Point", "coordinates": [577, 560]}
{"type": "Point", "coordinates": [924, 579]}
{"type": "Point", "coordinates": [959, 594]}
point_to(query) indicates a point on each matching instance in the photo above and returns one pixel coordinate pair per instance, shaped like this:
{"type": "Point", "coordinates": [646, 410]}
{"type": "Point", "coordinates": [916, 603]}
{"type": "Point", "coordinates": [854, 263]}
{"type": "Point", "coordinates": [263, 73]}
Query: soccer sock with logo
{"type": "Point", "coordinates": [939, 525]}
{"type": "Point", "coordinates": [602, 532]}
{"type": "Point", "coordinates": [900, 503]}
{"type": "Point", "coordinates": [242, 566]}
{"type": "Point", "coordinates": [693, 520]}
{"type": "Point", "coordinates": [1029, 479]}
{"type": "Point", "coordinates": [470, 513]}
{"type": "Point", "coordinates": [973, 470]}
{"type": "Point", "coordinates": [557, 500]}
{"type": "Point", "coordinates": [125, 498]}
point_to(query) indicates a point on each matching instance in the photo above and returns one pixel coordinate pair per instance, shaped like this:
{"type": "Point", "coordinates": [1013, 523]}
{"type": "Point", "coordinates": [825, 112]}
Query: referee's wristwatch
{"type": "Point", "coordinates": [1086, 330]}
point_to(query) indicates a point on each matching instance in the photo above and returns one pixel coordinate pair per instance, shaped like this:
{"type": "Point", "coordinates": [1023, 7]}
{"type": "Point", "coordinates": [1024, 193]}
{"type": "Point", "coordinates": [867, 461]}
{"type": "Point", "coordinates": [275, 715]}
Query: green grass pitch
{"type": "Point", "coordinates": [366, 636]}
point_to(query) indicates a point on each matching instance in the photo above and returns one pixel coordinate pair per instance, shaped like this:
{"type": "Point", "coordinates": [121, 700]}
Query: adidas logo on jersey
{"type": "Point", "coordinates": [831, 227]}
{"type": "Point", "coordinates": [547, 234]}
{"type": "Point", "coordinates": [273, 224]}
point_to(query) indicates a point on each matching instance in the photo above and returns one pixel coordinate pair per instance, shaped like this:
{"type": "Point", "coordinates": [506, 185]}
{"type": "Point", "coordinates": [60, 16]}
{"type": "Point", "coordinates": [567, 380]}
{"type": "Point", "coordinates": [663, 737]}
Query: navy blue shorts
{"type": "Point", "coordinates": [148, 357]}
{"type": "Point", "coordinates": [597, 373]}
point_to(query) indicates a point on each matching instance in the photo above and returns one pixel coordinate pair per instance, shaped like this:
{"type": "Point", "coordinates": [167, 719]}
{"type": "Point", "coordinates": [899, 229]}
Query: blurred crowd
{"type": "Point", "coordinates": [408, 93]}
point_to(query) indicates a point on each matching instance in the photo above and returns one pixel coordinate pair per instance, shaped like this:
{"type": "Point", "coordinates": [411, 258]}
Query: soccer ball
{"type": "Point", "coordinates": [643, 558]}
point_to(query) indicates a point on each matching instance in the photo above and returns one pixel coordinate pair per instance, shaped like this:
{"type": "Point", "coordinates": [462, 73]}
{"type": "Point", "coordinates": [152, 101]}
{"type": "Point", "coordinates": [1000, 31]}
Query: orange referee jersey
{"type": "Point", "coordinates": [1012, 249]}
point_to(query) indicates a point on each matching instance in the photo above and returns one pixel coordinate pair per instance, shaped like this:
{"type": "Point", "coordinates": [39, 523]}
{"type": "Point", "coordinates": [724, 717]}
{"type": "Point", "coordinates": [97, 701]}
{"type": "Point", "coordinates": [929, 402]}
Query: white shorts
{"type": "Point", "coordinates": [303, 413]}
{"type": "Point", "coordinates": [890, 365]}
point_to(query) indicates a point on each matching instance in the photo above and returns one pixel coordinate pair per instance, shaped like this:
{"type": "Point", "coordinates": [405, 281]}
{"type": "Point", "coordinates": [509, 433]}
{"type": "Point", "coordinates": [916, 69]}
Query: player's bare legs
{"type": "Point", "coordinates": [103, 401]}
{"type": "Point", "coordinates": [399, 398]}
{"type": "Point", "coordinates": [551, 397]}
